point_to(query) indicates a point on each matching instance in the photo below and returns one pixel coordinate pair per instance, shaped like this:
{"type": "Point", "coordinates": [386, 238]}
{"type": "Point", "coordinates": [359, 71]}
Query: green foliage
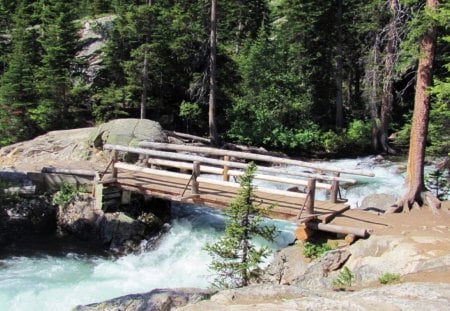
{"type": "Point", "coordinates": [273, 109]}
{"type": "Point", "coordinates": [438, 182]}
{"type": "Point", "coordinates": [190, 112]}
{"type": "Point", "coordinates": [65, 195]}
{"type": "Point", "coordinates": [389, 278]}
{"type": "Point", "coordinates": [7, 197]}
{"type": "Point", "coordinates": [235, 257]}
{"type": "Point", "coordinates": [313, 250]}
{"type": "Point", "coordinates": [109, 104]}
{"type": "Point", "coordinates": [344, 279]}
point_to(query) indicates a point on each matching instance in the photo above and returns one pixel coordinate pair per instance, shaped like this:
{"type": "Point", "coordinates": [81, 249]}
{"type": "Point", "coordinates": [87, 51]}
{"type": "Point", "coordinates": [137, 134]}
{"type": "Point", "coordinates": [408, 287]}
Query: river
{"type": "Point", "coordinates": [48, 280]}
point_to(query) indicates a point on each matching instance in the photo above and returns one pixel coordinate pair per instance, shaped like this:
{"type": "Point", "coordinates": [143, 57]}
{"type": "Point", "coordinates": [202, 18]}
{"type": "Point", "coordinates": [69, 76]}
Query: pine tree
{"type": "Point", "coordinates": [17, 87]}
{"type": "Point", "coordinates": [235, 257]}
{"type": "Point", "coordinates": [59, 44]}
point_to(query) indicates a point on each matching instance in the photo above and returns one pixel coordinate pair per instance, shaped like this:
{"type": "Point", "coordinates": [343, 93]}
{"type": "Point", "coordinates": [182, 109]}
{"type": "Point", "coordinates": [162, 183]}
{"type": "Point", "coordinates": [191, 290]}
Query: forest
{"type": "Point", "coordinates": [313, 77]}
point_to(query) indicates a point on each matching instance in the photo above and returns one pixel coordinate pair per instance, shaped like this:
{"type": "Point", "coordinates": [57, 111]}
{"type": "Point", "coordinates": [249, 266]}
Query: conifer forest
{"type": "Point", "coordinates": [315, 77]}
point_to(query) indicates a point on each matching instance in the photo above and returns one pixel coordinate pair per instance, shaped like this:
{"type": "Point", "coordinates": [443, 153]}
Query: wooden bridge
{"type": "Point", "coordinates": [207, 176]}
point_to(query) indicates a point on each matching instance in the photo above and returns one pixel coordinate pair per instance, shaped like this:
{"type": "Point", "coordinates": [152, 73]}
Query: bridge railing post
{"type": "Point", "coordinates": [226, 177]}
{"type": "Point", "coordinates": [195, 174]}
{"type": "Point", "coordinates": [115, 157]}
{"type": "Point", "coordinates": [334, 189]}
{"type": "Point", "coordinates": [310, 196]}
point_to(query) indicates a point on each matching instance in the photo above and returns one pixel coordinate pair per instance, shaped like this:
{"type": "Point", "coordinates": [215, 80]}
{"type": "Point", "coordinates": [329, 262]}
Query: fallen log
{"type": "Point", "coordinates": [188, 136]}
{"type": "Point", "coordinates": [66, 171]}
{"type": "Point", "coordinates": [359, 232]}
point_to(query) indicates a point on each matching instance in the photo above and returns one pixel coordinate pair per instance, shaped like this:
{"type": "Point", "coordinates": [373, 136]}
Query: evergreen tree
{"type": "Point", "coordinates": [17, 87]}
{"type": "Point", "coordinates": [59, 45]}
{"type": "Point", "coordinates": [273, 108]}
{"type": "Point", "coordinates": [235, 257]}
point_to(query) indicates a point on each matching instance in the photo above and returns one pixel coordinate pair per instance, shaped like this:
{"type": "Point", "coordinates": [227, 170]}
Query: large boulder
{"type": "Point", "coordinates": [404, 255]}
{"type": "Point", "coordinates": [287, 265]}
{"type": "Point", "coordinates": [379, 202]}
{"type": "Point", "coordinates": [128, 132]}
{"type": "Point", "coordinates": [321, 272]}
{"type": "Point", "coordinates": [117, 232]}
{"type": "Point", "coordinates": [407, 296]}
{"type": "Point", "coordinates": [156, 300]}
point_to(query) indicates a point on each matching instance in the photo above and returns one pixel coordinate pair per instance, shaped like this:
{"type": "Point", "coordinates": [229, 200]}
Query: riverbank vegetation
{"type": "Point", "coordinates": [301, 76]}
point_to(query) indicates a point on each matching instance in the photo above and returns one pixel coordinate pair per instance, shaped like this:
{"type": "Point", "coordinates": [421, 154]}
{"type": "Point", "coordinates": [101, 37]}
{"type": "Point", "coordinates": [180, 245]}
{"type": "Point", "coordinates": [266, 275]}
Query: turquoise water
{"type": "Point", "coordinates": [44, 282]}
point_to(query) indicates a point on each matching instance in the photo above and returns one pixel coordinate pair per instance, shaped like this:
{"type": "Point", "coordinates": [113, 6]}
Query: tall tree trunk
{"type": "Point", "coordinates": [213, 135]}
{"type": "Point", "coordinates": [144, 79]}
{"type": "Point", "coordinates": [144, 85]}
{"type": "Point", "coordinates": [339, 69]}
{"type": "Point", "coordinates": [374, 82]}
{"type": "Point", "coordinates": [415, 185]}
{"type": "Point", "coordinates": [387, 98]}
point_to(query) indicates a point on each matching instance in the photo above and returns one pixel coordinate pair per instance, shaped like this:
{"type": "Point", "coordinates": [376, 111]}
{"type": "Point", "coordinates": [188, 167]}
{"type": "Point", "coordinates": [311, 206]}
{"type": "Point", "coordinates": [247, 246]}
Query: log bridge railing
{"type": "Point", "coordinates": [152, 177]}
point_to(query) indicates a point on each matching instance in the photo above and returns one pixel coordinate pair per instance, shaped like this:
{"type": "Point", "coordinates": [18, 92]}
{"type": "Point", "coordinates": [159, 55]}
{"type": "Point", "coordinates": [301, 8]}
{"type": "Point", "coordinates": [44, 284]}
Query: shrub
{"type": "Point", "coordinates": [311, 250]}
{"type": "Point", "coordinates": [344, 279]}
{"type": "Point", "coordinates": [358, 135]}
{"type": "Point", "coordinates": [65, 195]}
{"type": "Point", "coordinates": [388, 278]}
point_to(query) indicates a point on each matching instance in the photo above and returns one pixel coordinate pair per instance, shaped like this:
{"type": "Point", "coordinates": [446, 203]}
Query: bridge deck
{"type": "Point", "coordinates": [215, 193]}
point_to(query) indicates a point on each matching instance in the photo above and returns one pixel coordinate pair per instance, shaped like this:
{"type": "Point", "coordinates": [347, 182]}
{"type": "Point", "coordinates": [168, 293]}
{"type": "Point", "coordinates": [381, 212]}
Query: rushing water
{"type": "Point", "coordinates": [45, 281]}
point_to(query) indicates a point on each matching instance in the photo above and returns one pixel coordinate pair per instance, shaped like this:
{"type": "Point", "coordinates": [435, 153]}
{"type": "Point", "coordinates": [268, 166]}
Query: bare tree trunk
{"type": "Point", "coordinates": [415, 185]}
{"type": "Point", "coordinates": [374, 79]}
{"type": "Point", "coordinates": [144, 85]}
{"type": "Point", "coordinates": [214, 136]}
{"type": "Point", "coordinates": [339, 69]}
{"type": "Point", "coordinates": [144, 79]}
{"type": "Point", "coordinates": [387, 98]}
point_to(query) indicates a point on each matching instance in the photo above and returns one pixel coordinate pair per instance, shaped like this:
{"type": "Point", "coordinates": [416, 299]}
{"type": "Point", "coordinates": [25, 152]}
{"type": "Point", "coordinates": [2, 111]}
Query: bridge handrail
{"type": "Point", "coordinates": [188, 157]}
{"type": "Point", "coordinates": [220, 171]}
{"type": "Point", "coordinates": [252, 156]}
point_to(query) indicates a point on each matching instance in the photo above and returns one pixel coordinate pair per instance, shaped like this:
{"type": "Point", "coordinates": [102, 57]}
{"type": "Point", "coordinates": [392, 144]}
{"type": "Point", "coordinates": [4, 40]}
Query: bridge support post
{"type": "Point", "coordinates": [311, 193]}
{"type": "Point", "coordinates": [195, 174]}
{"type": "Point", "coordinates": [115, 157]}
{"type": "Point", "coordinates": [226, 177]}
{"type": "Point", "coordinates": [334, 189]}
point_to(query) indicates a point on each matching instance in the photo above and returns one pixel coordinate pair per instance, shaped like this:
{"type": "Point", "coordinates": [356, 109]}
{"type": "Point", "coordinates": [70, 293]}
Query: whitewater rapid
{"type": "Point", "coordinates": [60, 282]}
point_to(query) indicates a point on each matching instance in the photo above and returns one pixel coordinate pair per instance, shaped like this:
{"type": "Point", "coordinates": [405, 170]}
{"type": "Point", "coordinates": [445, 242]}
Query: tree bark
{"type": "Point", "coordinates": [374, 94]}
{"type": "Point", "coordinates": [213, 134]}
{"type": "Point", "coordinates": [339, 69]}
{"type": "Point", "coordinates": [387, 98]}
{"type": "Point", "coordinates": [415, 171]}
{"type": "Point", "coordinates": [144, 85]}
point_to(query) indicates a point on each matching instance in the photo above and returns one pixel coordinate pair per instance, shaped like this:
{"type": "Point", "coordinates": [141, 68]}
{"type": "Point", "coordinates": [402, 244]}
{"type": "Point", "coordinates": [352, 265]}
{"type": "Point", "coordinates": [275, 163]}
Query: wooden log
{"type": "Point", "coordinates": [188, 136]}
{"type": "Point", "coordinates": [310, 198]}
{"type": "Point", "coordinates": [146, 170]}
{"type": "Point", "coordinates": [259, 189]}
{"type": "Point", "coordinates": [359, 232]}
{"type": "Point", "coordinates": [205, 160]}
{"type": "Point", "coordinates": [350, 238]}
{"type": "Point", "coordinates": [66, 171]}
{"type": "Point", "coordinates": [303, 233]}
{"type": "Point", "coordinates": [226, 177]}
{"type": "Point", "coordinates": [334, 189]}
{"type": "Point", "coordinates": [195, 175]}
{"type": "Point", "coordinates": [251, 156]}
{"type": "Point", "coordinates": [219, 171]}
{"type": "Point", "coordinates": [115, 158]}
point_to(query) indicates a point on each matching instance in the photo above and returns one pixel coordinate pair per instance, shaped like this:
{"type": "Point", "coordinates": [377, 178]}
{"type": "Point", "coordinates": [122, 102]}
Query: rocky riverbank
{"type": "Point", "coordinates": [119, 229]}
{"type": "Point", "coordinates": [416, 256]}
